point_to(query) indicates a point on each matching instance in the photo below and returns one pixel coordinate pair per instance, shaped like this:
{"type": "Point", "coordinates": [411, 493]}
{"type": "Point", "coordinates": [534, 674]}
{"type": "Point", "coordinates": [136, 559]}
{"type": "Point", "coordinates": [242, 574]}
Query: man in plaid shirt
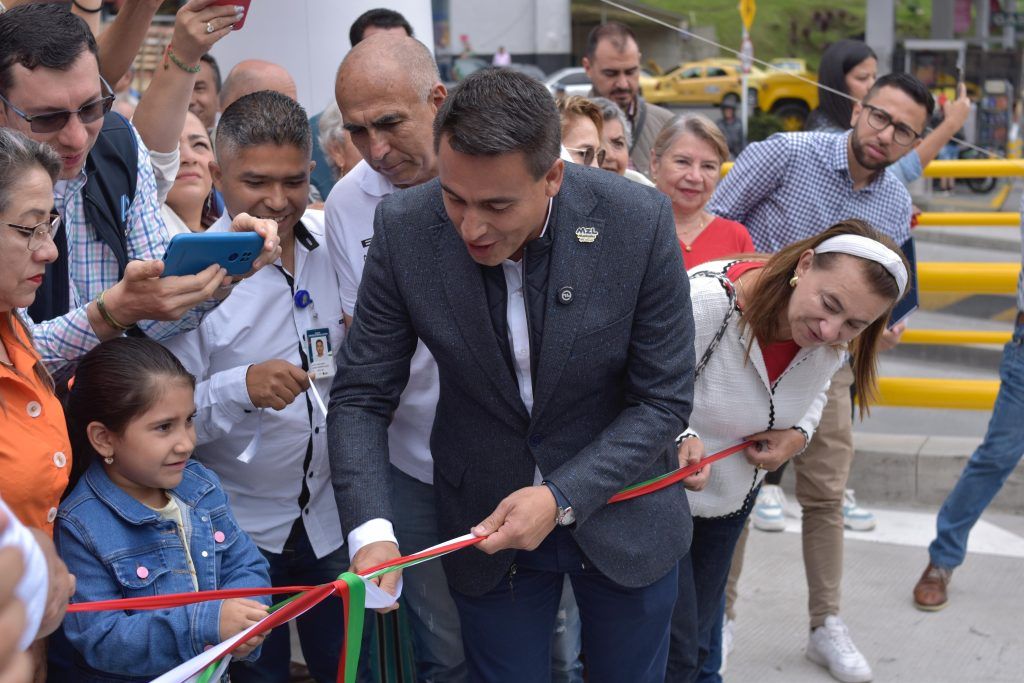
{"type": "Point", "coordinates": [52, 91]}
{"type": "Point", "coordinates": [784, 189]}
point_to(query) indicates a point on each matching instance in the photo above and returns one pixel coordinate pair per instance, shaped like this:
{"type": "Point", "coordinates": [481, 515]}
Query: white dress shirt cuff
{"type": "Point", "coordinates": [370, 531]}
{"type": "Point", "coordinates": [229, 390]}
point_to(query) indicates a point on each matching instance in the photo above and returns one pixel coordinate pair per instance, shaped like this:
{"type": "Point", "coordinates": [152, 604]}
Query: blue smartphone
{"type": "Point", "coordinates": [191, 253]}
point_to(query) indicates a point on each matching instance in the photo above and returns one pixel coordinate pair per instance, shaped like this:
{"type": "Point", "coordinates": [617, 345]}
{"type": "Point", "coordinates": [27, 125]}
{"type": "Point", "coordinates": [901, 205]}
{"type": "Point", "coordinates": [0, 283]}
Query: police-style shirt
{"type": "Point", "coordinates": [261, 321]}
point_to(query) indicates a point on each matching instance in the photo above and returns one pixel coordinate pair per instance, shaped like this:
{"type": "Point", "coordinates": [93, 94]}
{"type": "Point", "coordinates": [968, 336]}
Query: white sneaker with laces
{"type": "Point", "coordinates": [769, 509]}
{"type": "Point", "coordinates": [728, 638]}
{"type": "Point", "coordinates": [830, 646]}
{"type": "Point", "coordinates": [855, 517]}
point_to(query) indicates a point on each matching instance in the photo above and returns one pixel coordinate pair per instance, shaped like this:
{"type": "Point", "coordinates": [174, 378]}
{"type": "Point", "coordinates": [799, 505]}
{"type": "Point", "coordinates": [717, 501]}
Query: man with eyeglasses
{"type": "Point", "coordinates": [106, 280]}
{"type": "Point", "coordinates": [792, 186]}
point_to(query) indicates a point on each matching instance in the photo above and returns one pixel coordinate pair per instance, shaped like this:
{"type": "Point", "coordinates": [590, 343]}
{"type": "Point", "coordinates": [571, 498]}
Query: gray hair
{"type": "Point", "coordinates": [330, 128]}
{"type": "Point", "coordinates": [698, 125]}
{"type": "Point", "coordinates": [18, 154]}
{"type": "Point", "coordinates": [611, 111]}
{"type": "Point", "coordinates": [497, 111]}
{"type": "Point", "coordinates": [263, 118]}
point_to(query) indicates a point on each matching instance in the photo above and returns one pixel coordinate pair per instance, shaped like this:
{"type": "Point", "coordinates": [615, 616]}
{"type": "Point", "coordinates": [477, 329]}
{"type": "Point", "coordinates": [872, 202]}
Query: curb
{"type": "Point", "coordinates": [905, 468]}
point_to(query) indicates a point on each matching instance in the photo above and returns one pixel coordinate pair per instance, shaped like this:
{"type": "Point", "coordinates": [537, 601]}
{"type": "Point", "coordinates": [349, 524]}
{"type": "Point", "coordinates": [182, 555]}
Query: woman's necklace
{"type": "Point", "coordinates": [685, 237]}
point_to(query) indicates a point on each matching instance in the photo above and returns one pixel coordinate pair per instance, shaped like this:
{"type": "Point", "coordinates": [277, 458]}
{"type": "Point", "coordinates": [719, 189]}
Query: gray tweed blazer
{"type": "Point", "coordinates": [613, 386]}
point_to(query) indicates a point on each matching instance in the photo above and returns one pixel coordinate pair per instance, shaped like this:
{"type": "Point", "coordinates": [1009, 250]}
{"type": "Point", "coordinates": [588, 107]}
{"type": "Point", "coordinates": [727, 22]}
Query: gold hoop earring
{"type": "Point", "coordinates": [793, 280]}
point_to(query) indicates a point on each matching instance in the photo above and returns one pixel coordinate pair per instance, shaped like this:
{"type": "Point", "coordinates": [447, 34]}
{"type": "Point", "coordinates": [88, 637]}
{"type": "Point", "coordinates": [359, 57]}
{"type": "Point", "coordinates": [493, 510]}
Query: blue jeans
{"type": "Point", "coordinates": [713, 663]}
{"type": "Point", "coordinates": [321, 629]}
{"type": "Point", "coordinates": [698, 611]}
{"type": "Point", "coordinates": [507, 631]}
{"type": "Point", "coordinates": [990, 465]}
{"type": "Point", "coordinates": [434, 621]}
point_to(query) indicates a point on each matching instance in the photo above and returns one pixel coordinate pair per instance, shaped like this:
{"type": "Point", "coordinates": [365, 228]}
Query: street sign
{"type": "Point", "coordinates": [747, 10]}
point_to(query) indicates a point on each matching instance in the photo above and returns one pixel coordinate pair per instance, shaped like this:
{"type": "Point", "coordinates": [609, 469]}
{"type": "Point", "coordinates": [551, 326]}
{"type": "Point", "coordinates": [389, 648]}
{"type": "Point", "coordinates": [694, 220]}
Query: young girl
{"type": "Point", "coordinates": [145, 520]}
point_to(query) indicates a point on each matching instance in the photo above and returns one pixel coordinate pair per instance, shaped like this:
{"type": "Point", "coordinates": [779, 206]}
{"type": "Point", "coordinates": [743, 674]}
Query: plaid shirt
{"type": "Point", "coordinates": [795, 185]}
{"type": "Point", "coordinates": [92, 267]}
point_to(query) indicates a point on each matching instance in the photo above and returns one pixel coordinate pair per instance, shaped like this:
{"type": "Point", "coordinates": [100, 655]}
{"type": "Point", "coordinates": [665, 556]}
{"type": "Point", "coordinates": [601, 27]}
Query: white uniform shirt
{"type": "Point", "coordinates": [349, 223]}
{"type": "Point", "coordinates": [260, 321]}
{"type": "Point", "coordinates": [34, 584]}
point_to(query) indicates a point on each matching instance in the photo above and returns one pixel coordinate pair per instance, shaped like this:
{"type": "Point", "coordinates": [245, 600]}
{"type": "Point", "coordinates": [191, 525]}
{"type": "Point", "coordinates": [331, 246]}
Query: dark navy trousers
{"type": "Point", "coordinates": [507, 632]}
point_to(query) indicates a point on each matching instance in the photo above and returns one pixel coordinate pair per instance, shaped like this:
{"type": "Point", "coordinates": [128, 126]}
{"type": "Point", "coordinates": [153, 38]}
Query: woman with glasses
{"type": "Point", "coordinates": [582, 122]}
{"type": "Point", "coordinates": [847, 71]}
{"type": "Point", "coordinates": [35, 454]}
{"type": "Point", "coordinates": [686, 163]}
{"type": "Point", "coordinates": [616, 141]}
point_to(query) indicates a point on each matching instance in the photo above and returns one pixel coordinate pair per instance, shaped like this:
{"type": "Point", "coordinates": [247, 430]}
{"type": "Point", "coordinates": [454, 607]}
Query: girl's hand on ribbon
{"type": "Point", "coordinates": [773, 448]}
{"type": "Point", "coordinates": [372, 555]}
{"type": "Point", "coordinates": [521, 521]}
{"type": "Point", "coordinates": [238, 614]}
{"type": "Point", "coordinates": [691, 452]}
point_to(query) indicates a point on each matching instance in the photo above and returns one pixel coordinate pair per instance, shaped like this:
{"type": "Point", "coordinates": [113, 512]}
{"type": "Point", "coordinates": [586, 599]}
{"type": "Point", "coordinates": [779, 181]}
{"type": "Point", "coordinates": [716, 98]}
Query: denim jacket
{"type": "Point", "coordinates": [118, 548]}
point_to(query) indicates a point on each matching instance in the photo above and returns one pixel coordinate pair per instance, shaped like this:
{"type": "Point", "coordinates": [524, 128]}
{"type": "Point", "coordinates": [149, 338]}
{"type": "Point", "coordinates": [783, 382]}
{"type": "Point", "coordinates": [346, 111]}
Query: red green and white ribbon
{"type": "Point", "coordinates": [357, 592]}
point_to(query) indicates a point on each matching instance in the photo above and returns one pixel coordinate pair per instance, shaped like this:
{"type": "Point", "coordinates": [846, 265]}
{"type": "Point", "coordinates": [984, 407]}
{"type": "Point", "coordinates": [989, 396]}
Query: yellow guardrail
{"type": "Point", "coordinates": [961, 168]}
{"type": "Point", "coordinates": [969, 219]}
{"type": "Point", "coordinates": [927, 392]}
{"type": "Point", "coordinates": [977, 278]}
{"type": "Point", "coordinates": [975, 168]}
{"type": "Point", "coordinates": [954, 337]}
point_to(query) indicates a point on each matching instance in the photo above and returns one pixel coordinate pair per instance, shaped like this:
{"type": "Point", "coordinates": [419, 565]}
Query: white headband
{"type": "Point", "coordinates": [867, 248]}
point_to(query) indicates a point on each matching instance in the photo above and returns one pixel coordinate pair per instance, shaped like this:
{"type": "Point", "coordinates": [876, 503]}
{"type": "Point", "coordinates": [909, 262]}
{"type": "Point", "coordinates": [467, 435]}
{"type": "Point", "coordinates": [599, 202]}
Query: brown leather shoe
{"type": "Point", "coordinates": [930, 591]}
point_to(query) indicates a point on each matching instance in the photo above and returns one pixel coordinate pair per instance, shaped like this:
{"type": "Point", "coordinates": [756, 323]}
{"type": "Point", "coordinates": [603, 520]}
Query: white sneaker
{"type": "Point", "coordinates": [831, 647]}
{"type": "Point", "coordinates": [855, 517]}
{"type": "Point", "coordinates": [769, 509]}
{"type": "Point", "coordinates": [728, 636]}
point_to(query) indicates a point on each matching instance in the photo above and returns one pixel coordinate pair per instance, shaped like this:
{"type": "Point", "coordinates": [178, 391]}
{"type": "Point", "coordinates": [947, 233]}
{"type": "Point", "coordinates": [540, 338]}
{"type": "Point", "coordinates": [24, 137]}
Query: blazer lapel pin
{"type": "Point", "coordinates": [586, 235]}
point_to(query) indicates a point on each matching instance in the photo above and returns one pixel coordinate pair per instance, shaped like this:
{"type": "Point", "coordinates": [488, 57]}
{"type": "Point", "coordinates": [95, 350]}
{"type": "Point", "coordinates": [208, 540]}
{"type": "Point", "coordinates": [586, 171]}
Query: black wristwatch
{"type": "Point", "coordinates": [565, 515]}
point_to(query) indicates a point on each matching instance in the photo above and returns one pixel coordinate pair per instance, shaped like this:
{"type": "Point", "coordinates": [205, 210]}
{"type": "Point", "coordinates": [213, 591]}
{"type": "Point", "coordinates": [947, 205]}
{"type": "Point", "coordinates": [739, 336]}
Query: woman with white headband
{"type": "Point", "coordinates": [770, 333]}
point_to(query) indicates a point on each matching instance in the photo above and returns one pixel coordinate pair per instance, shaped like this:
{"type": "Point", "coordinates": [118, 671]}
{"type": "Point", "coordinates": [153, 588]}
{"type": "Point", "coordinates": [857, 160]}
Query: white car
{"type": "Point", "coordinates": [570, 81]}
{"type": "Point", "coordinates": [573, 81]}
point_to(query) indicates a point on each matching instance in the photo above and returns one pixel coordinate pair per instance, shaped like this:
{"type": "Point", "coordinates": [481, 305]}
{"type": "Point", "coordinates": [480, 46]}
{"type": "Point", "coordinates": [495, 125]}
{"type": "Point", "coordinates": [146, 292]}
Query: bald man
{"type": "Point", "coordinates": [253, 75]}
{"type": "Point", "coordinates": [388, 91]}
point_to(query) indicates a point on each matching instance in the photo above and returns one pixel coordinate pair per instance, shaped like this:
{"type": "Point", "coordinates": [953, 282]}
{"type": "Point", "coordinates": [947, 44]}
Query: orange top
{"type": "Point", "coordinates": [35, 452]}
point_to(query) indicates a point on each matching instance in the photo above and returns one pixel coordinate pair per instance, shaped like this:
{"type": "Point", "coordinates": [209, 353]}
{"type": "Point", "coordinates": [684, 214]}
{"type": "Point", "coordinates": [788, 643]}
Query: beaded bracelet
{"type": "Point", "coordinates": [105, 314]}
{"type": "Point", "coordinates": [180, 64]}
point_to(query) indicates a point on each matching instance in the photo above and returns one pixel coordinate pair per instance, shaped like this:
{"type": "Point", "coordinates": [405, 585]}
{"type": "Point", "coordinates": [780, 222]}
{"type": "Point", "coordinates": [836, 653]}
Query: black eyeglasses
{"type": "Point", "coordinates": [879, 119]}
{"type": "Point", "coordinates": [55, 121]}
{"type": "Point", "coordinates": [40, 232]}
{"type": "Point", "coordinates": [588, 154]}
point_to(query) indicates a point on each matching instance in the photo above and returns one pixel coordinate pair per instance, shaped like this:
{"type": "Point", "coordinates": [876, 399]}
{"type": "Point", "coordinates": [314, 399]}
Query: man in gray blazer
{"type": "Point", "coordinates": [554, 300]}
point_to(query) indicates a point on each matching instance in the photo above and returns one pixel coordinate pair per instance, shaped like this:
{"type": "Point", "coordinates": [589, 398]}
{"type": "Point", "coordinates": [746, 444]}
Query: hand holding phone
{"type": "Point", "coordinates": [191, 253]}
{"type": "Point", "coordinates": [244, 4]}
